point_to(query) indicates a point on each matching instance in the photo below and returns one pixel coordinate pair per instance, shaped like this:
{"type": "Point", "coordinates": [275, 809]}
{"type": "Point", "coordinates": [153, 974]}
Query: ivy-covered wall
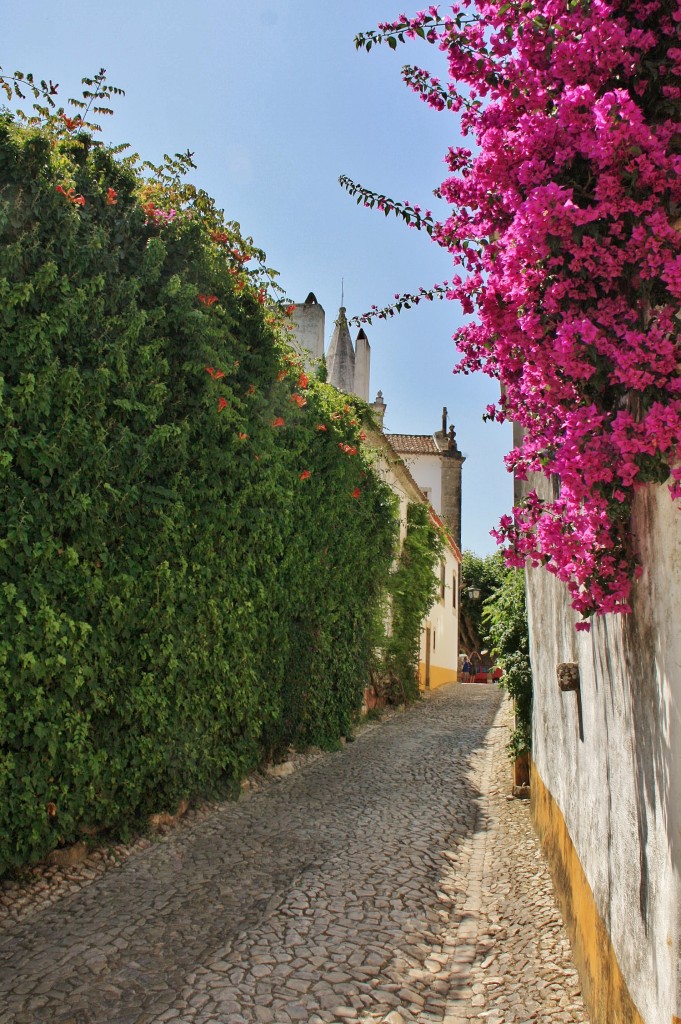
{"type": "Point", "coordinates": [193, 545]}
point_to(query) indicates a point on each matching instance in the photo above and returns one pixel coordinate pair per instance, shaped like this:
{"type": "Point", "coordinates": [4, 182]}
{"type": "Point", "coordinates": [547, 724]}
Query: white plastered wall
{"type": "Point", "coordinates": [613, 764]}
{"type": "Point", "coordinates": [427, 472]}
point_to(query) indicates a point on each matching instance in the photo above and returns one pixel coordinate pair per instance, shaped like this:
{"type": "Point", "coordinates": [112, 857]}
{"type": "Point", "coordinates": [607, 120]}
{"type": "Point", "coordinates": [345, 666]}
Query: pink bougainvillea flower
{"type": "Point", "coordinates": [222, 404]}
{"type": "Point", "coordinates": [305, 475]}
{"type": "Point", "coordinates": [208, 300]}
{"type": "Point", "coordinates": [278, 422]}
{"type": "Point", "coordinates": [356, 493]}
{"type": "Point", "coordinates": [299, 400]}
{"type": "Point", "coordinates": [111, 197]}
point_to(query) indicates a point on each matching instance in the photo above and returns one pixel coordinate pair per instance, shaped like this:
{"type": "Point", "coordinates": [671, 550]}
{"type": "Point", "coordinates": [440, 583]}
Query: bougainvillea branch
{"type": "Point", "coordinates": [564, 220]}
{"type": "Point", "coordinates": [411, 215]}
{"type": "Point", "coordinates": [404, 301]}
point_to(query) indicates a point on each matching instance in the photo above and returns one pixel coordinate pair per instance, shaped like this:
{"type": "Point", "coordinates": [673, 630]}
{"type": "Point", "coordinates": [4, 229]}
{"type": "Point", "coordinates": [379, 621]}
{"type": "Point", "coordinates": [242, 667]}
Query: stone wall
{"type": "Point", "coordinates": [606, 786]}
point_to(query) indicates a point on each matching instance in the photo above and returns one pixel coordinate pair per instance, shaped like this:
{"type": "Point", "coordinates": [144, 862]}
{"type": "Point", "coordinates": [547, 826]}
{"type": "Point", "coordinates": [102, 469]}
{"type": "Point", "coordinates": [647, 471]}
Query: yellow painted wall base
{"type": "Point", "coordinates": [604, 990]}
{"type": "Point", "coordinates": [438, 676]}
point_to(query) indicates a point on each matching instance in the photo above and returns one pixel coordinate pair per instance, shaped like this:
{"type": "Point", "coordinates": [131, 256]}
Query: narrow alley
{"type": "Point", "coordinates": [392, 881]}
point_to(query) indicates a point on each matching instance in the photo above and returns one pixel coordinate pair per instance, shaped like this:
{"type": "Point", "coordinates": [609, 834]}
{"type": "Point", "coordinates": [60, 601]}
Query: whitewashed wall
{"type": "Point", "coordinates": [427, 471]}
{"type": "Point", "coordinates": [614, 765]}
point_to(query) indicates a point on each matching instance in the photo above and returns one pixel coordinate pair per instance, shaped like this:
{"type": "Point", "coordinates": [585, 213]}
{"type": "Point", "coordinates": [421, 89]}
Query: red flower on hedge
{"type": "Point", "coordinates": [305, 475]}
{"type": "Point", "coordinates": [208, 300]}
{"type": "Point", "coordinates": [299, 400]}
{"type": "Point", "coordinates": [303, 381]}
{"type": "Point", "coordinates": [320, 426]}
{"type": "Point", "coordinates": [219, 236]}
{"type": "Point", "coordinates": [73, 197]}
{"type": "Point", "coordinates": [222, 404]}
{"type": "Point", "coordinates": [281, 375]}
{"type": "Point", "coordinates": [111, 197]}
{"type": "Point", "coordinates": [72, 122]}
{"type": "Point", "coordinates": [356, 493]}
{"type": "Point", "coordinates": [243, 436]}
{"type": "Point", "coordinates": [289, 309]}
{"type": "Point", "coordinates": [278, 422]}
{"type": "Point", "coordinates": [210, 370]}
{"type": "Point", "coordinates": [362, 436]}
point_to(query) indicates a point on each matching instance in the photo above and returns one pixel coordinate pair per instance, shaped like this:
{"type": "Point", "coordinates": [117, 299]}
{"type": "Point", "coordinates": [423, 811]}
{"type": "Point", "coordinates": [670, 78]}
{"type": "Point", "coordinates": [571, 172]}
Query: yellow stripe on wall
{"type": "Point", "coordinates": [605, 992]}
{"type": "Point", "coordinates": [438, 676]}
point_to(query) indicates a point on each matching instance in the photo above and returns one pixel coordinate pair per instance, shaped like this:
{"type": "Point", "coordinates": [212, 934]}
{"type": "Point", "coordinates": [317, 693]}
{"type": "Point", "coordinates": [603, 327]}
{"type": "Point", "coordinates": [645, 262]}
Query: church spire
{"type": "Point", "coordinates": [340, 359]}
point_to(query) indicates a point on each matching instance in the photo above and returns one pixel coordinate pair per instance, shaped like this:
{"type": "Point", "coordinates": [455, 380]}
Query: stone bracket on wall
{"type": "Point", "coordinates": [568, 676]}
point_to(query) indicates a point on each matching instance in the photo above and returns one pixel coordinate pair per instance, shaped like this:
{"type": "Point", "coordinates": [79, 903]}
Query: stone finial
{"type": "Point", "coordinates": [444, 420]}
{"type": "Point", "coordinates": [379, 407]}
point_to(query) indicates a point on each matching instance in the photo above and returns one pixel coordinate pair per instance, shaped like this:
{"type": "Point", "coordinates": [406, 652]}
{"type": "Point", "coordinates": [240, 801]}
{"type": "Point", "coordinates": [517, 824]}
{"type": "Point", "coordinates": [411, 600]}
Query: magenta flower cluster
{"type": "Point", "coordinates": [565, 226]}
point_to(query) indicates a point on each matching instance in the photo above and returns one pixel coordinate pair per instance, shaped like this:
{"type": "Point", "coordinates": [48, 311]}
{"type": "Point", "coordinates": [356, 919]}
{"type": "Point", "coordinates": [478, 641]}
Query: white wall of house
{"type": "Point", "coordinates": [611, 760]}
{"type": "Point", "coordinates": [427, 472]}
{"type": "Point", "coordinates": [441, 627]}
{"type": "Point", "coordinates": [442, 622]}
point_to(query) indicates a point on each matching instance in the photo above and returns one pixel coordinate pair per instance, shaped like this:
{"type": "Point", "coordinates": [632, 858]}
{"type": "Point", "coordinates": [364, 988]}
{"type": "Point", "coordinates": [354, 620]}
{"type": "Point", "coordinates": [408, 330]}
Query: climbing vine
{"type": "Point", "coordinates": [504, 615]}
{"type": "Point", "coordinates": [413, 587]}
{"type": "Point", "coordinates": [564, 224]}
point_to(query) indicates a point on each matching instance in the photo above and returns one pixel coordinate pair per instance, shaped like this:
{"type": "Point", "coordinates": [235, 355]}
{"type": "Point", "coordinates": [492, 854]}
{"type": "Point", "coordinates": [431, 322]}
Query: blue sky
{"type": "Point", "coordinates": [275, 102]}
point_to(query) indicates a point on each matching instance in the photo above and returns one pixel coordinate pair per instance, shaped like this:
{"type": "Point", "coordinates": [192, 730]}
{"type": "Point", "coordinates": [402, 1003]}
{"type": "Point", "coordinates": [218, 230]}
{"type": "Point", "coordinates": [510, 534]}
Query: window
{"type": "Point", "coordinates": [442, 581]}
{"type": "Point", "coordinates": [454, 592]}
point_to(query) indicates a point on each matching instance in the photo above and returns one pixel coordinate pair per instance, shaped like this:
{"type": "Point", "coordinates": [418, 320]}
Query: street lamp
{"type": "Point", "coordinates": [473, 593]}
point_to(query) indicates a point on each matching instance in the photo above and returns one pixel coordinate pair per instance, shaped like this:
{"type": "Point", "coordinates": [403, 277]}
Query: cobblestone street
{"type": "Point", "coordinates": [392, 881]}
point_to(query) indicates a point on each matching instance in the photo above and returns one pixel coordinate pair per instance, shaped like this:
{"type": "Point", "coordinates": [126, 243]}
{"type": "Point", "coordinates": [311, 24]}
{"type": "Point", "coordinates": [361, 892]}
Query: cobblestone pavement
{"type": "Point", "coordinates": [390, 882]}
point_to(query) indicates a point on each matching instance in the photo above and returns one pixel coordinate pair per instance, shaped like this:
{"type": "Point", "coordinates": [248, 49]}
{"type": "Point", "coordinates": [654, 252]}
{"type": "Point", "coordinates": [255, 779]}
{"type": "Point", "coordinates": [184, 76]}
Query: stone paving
{"type": "Point", "coordinates": [392, 882]}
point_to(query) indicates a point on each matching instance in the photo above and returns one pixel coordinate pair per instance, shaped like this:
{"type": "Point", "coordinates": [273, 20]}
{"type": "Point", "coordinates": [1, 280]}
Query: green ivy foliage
{"type": "Point", "coordinates": [413, 588]}
{"type": "Point", "coordinates": [505, 617]}
{"type": "Point", "coordinates": [186, 588]}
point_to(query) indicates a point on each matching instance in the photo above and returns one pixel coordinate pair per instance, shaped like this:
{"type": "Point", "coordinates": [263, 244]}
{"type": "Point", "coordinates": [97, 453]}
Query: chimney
{"type": "Point", "coordinates": [308, 331]}
{"type": "Point", "coordinates": [452, 463]}
{"type": "Point", "coordinates": [362, 366]}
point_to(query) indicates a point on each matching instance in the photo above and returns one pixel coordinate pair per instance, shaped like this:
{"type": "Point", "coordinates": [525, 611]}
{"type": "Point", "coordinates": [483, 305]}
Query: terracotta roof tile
{"type": "Point", "coordinates": [413, 444]}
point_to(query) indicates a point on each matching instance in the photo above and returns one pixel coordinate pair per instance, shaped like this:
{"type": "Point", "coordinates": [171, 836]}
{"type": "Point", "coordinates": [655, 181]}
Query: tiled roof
{"type": "Point", "coordinates": [413, 444]}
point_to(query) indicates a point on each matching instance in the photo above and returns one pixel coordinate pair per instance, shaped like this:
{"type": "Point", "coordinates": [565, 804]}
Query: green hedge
{"type": "Point", "coordinates": [176, 603]}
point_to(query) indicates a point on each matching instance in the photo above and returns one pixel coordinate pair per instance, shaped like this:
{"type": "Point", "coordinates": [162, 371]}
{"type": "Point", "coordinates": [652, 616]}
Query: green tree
{"type": "Point", "coordinates": [504, 616]}
{"type": "Point", "coordinates": [485, 573]}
